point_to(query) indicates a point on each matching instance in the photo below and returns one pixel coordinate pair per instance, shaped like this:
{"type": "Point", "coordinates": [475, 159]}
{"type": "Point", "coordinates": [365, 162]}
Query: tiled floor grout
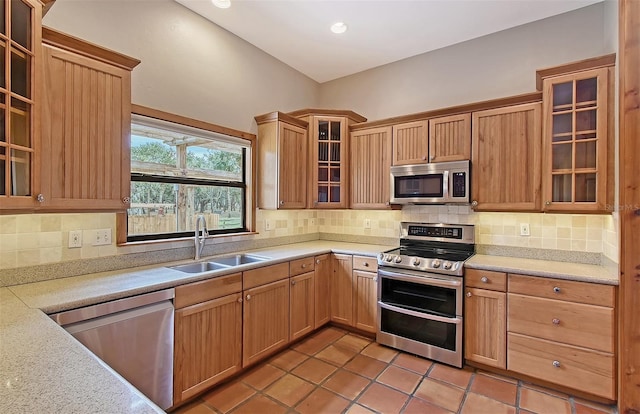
{"type": "Point", "coordinates": [324, 344]}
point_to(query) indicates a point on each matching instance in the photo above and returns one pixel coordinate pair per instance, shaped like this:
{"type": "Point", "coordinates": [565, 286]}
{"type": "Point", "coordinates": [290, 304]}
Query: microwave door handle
{"type": "Point", "coordinates": [445, 185]}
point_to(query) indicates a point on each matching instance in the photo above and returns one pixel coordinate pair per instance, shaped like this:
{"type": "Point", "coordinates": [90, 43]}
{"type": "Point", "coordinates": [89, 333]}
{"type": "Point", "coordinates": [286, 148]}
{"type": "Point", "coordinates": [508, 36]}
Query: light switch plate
{"type": "Point", "coordinates": [268, 225]}
{"type": "Point", "coordinates": [367, 223]}
{"type": "Point", "coordinates": [524, 229]}
{"type": "Point", "coordinates": [75, 239]}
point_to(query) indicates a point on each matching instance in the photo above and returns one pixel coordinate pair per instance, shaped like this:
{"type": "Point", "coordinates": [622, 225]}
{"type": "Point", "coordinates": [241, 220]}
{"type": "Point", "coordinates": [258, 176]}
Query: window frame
{"type": "Point", "coordinates": [248, 184]}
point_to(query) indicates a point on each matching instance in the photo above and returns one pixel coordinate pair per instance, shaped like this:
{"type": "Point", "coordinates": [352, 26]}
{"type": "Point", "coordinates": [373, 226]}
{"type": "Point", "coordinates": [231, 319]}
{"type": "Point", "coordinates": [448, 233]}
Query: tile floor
{"type": "Point", "coordinates": [334, 371]}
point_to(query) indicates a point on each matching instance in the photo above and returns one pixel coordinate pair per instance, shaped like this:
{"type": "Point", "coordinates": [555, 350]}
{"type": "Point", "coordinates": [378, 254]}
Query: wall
{"type": "Point", "coordinates": [189, 66]}
{"type": "Point", "coordinates": [493, 66]}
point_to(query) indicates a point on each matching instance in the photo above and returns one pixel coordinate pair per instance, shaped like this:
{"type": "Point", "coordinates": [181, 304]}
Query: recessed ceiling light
{"type": "Point", "coordinates": [339, 27]}
{"type": "Point", "coordinates": [222, 4]}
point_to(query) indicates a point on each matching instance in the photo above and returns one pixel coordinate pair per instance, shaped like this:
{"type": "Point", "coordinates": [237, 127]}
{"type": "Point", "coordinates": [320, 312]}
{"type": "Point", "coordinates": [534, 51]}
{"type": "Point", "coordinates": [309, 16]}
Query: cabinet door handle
{"type": "Point", "coordinates": [304, 265]}
{"type": "Point", "coordinates": [293, 282]}
{"type": "Point", "coordinates": [282, 202]}
{"type": "Point", "coordinates": [40, 198]}
{"type": "Point", "coordinates": [126, 200]}
{"type": "Point", "coordinates": [556, 289]}
{"type": "Point", "coordinates": [239, 300]}
{"type": "Point", "coordinates": [375, 279]}
{"type": "Point", "coordinates": [556, 321]}
{"type": "Point", "coordinates": [365, 264]}
{"type": "Point", "coordinates": [556, 364]}
{"type": "Point", "coordinates": [469, 294]}
{"type": "Point", "coordinates": [547, 203]}
{"type": "Point", "coordinates": [318, 261]}
{"type": "Point", "coordinates": [484, 279]}
{"type": "Point", "coordinates": [248, 297]}
{"type": "Point", "coordinates": [474, 204]}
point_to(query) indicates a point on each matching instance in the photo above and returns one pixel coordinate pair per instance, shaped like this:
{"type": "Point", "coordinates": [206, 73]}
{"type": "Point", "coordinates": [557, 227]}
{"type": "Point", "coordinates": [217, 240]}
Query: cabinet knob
{"type": "Point", "coordinates": [318, 261]}
{"type": "Point", "coordinates": [431, 158]}
{"type": "Point", "coordinates": [474, 204]}
{"type": "Point", "coordinates": [556, 321]}
{"type": "Point", "coordinates": [484, 279]}
{"type": "Point", "coordinates": [547, 203]}
{"type": "Point", "coordinates": [126, 200]}
{"type": "Point", "coordinates": [304, 265]}
{"type": "Point", "coordinates": [556, 364]}
{"type": "Point", "coordinates": [282, 202]}
{"type": "Point", "coordinates": [556, 289]}
{"type": "Point", "coordinates": [387, 203]}
{"type": "Point", "coordinates": [293, 282]}
{"type": "Point", "coordinates": [375, 279]}
{"type": "Point", "coordinates": [424, 158]}
{"type": "Point", "coordinates": [239, 300]}
{"type": "Point", "coordinates": [365, 264]}
{"type": "Point", "coordinates": [248, 297]}
{"type": "Point", "coordinates": [469, 294]}
{"type": "Point", "coordinates": [40, 198]}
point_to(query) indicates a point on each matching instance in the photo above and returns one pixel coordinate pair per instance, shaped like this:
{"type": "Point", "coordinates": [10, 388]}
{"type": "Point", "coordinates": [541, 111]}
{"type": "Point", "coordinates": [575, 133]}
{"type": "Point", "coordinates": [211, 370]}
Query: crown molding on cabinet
{"type": "Point", "coordinates": [281, 116]}
{"type": "Point", "coordinates": [586, 64]}
{"type": "Point", "coordinates": [329, 112]}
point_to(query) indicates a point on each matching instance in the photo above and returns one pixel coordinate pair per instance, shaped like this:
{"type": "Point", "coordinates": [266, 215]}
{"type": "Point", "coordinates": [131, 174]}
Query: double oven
{"type": "Point", "coordinates": [420, 288]}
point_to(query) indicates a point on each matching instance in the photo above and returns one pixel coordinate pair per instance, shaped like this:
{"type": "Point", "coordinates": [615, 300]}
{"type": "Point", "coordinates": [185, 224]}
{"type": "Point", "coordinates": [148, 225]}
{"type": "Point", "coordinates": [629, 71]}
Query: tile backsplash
{"type": "Point", "coordinates": [36, 239]}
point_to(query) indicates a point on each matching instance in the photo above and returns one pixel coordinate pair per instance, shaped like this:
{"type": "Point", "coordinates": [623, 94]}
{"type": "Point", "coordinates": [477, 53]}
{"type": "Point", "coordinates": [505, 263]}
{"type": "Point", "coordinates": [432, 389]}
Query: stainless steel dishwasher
{"type": "Point", "coordinates": [134, 336]}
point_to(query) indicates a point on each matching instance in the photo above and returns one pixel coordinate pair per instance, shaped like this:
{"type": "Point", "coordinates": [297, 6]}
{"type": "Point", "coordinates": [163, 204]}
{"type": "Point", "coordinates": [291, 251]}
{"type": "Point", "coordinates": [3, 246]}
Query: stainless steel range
{"type": "Point", "coordinates": [420, 288]}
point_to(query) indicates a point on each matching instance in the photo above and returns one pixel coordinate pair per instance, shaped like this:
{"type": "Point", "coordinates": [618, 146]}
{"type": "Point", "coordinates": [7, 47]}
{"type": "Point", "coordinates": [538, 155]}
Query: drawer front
{"type": "Point", "coordinates": [300, 266]}
{"type": "Point", "coordinates": [198, 292]}
{"type": "Point", "coordinates": [368, 264]}
{"type": "Point", "coordinates": [264, 275]}
{"type": "Point", "coordinates": [569, 290]}
{"type": "Point", "coordinates": [571, 323]}
{"type": "Point", "coordinates": [578, 368]}
{"type": "Point", "coordinates": [485, 279]}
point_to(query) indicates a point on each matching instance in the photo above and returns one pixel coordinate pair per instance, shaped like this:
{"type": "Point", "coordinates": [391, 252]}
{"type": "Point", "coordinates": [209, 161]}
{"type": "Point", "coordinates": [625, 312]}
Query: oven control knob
{"type": "Point", "coordinates": [397, 259]}
{"type": "Point", "coordinates": [446, 265]}
{"type": "Point", "coordinates": [435, 263]}
{"type": "Point", "coordinates": [416, 261]}
{"type": "Point", "coordinates": [381, 256]}
{"type": "Point", "coordinates": [388, 258]}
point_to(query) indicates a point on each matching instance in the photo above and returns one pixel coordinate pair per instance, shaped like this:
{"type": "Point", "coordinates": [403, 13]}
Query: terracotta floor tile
{"type": "Point", "coordinates": [336, 355]}
{"type": "Point", "coordinates": [400, 379]}
{"type": "Point", "coordinates": [196, 407]}
{"type": "Point", "coordinates": [589, 407]}
{"type": "Point", "coordinates": [441, 394]}
{"type": "Point", "coordinates": [358, 409]}
{"type": "Point", "coordinates": [329, 335]}
{"type": "Point", "coordinates": [260, 404]}
{"type": "Point", "coordinates": [322, 401]}
{"type": "Point", "coordinates": [418, 406]}
{"type": "Point", "coordinates": [228, 396]}
{"type": "Point", "coordinates": [379, 352]}
{"type": "Point", "coordinates": [288, 359]}
{"type": "Point", "coordinates": [262, 376]}
{"type": "Point", "coordinates": [354, 342]}
{"type": "Point", "coordinates": [479, 404]}
{"type": "Point", "coordinates": [365, 366]}
{"type": "Point", "coordinates": [493, 388]}
{"type": "Point", "coordinates": [311, 345]}
{"type": "Point", "coordinates": [347, 384]}
{"type": "Point", "coordinates": [290, 389]}
{"type": "Point", "coordinates": [314, 370]}
{"type": "Point", "coordinates": [383, 399]}
{"type": "Point", "coordinates": [543, 403]}
{"type": "Point", "coordinates": [499, 377]}
{"type": "Point", "coordinates": [458, 377]}
{"type": "Point", "coordinates": [413, 363]}
{"type": "Point", "coordinates": [545, 390]}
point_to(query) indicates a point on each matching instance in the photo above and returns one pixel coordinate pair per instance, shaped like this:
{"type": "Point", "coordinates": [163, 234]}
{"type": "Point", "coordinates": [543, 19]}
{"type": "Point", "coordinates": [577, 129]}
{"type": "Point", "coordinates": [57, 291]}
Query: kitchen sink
{"type": "Point", "coordinates": [237, 259]}
{"type": "Point", "coordinates": [200, 267]}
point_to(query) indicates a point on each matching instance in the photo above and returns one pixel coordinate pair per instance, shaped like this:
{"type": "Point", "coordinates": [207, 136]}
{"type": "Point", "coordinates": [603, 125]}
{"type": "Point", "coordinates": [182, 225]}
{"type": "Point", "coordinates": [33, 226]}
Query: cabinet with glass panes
{"type": "Point", "coordinates": [19, 51]}
{"type": "Point", "coordinates": [576, 140]}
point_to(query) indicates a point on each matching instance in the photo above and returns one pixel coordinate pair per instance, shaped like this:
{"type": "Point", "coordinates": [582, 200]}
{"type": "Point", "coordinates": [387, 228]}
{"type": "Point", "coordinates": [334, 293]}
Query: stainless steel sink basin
{"type": "Point", "coordinates": [238, 259]}
{"type": "Point", "coordinates": [200, 267]}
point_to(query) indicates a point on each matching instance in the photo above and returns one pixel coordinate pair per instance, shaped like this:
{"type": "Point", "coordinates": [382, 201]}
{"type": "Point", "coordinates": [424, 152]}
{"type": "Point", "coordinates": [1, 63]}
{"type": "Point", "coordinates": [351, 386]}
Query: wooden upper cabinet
{"type": "Point", "coordinates": [282, 161]}
{"type": "Point", "coordinates": [370, 168]}
{"type": "Point", "coordinates": [20, 102]}
{"type": "Point", "coordinates": [86, 119]}
{"type": "Point", "coordinates": [506, 159]}
{"type": "Point", "coordinates": [576, 139]}
{"type": "Point", "coordinates": [411, 143]}
{"type": "Point", "coordinates": [450, 138]}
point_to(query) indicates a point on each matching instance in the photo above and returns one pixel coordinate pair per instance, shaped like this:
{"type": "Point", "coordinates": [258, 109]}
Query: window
{"type": "Point", "coordinates": [179, 172]}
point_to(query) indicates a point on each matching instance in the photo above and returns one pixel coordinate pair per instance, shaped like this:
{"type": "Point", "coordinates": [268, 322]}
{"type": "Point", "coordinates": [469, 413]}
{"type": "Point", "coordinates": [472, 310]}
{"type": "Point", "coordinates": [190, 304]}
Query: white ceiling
{"type": "Point", "coordinates": [380, 31]}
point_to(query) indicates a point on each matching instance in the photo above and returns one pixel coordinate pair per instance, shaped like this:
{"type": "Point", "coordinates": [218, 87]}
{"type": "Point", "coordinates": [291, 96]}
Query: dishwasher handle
{"type": "Point", "coordinates": [102, 309]}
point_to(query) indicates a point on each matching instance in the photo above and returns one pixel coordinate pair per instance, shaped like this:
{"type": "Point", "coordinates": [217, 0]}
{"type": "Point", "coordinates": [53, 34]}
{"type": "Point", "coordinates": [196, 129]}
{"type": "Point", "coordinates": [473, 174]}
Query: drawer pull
{"type": "Point", "coordinates": [318, 261]}
{"type": "Point", "coordinates": [556, 321]}
{"type": "Point", "coordinates": [365, 264]}
{"type": "Point", "coordinates": [375, 279]}
{"type": "Point", "coordinates": [248, 297]}
{"type": "Point", "coordinates": [468, 294]}
{"type": "Point", "coordinates": [556, 364]}
{"type": "Point", "coordinates": [556, 289]}
{"type": "Point", "coordinates": [239, 300]}
{"type": "Point", "coordinates": [484, 279]}
{"type": "Point", "coordinates": [304, 265]}
{"type": "Point", "coordinates": [293, 282]}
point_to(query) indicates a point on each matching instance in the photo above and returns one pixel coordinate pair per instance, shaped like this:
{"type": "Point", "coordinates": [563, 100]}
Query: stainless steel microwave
{"type": "Point", "coordinates": [433, 183]}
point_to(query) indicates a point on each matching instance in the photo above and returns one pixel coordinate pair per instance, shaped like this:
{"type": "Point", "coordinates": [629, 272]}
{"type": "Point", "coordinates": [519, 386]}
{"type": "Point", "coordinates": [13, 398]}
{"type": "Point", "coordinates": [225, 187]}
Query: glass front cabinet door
{"type": "Point", "coordinates": [329, 163]}
{"type": "Point", "coordinates": [576, 136]}
{"type": "Point", "coordinates": [19, 46]}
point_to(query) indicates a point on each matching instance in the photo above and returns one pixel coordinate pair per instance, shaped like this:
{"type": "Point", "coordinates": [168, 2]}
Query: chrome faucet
{"type": "Point", "coordinates": [199, 238]}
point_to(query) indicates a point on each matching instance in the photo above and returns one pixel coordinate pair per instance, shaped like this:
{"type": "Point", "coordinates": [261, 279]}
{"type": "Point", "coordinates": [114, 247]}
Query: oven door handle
{"type": "Point", "coordinates": [420, 314]}
{"type": "Point", "coordinates": [423, 280]}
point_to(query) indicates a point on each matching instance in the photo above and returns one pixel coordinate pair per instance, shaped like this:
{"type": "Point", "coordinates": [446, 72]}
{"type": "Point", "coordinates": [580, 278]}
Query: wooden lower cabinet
{"type": "Point", "coordinates": [485, 327]}
{"type": "Point", "coordinates": [365, 301]}
{"type": "Point", "coordinates": [265, 327]}
{"type": "Point", "coordinates": [342, 289]}
{"type": "Point", "coordinates": [208, 344]}
{"type": "Point", "coordinates": [301, 305]}
{"type": "Point", "coordinates": [322, 290]}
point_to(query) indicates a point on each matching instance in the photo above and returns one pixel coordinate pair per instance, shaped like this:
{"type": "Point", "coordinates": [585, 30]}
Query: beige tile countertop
{"type": "Point", "coordinates": [557, 270]}
{"type": "Point", "coordinates": [43, 369]}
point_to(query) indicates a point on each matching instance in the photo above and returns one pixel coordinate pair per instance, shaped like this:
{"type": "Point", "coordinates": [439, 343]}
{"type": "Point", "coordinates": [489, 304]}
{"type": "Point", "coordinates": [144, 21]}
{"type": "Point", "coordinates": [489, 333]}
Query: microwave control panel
{"type": "Point", "coordinates": [459, 188]}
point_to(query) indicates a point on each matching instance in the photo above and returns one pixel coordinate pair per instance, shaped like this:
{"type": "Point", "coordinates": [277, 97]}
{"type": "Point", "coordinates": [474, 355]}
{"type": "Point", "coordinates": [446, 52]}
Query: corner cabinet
{"type": "Point", "coordinates": [282, 161]}
{"type": "Point", "coordinates": [577, 174]}
{"type": "Point", "coordinates": [370, 168]}
{"type": "Point", "coordinates": [20, 104]}
{"type": "Point", "coordinates": [86, 122]}
{"type": "Point", "coordinates": [328, 156]}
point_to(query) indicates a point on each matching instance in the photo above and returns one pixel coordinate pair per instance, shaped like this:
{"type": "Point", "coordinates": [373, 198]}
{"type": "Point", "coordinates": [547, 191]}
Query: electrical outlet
{"type": "Point", "coordinates": [312, 222]}
{"type": "Point", "coordinates": [524, 229]}
{"type": "Point", "coordinates": [102, 237]}
{"type": "Point", "coordinates": [268, 225]}
{"type": "Point", "coordinates": [367, 223]}
{"type": "Point", "coordinates": [75, 239]}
